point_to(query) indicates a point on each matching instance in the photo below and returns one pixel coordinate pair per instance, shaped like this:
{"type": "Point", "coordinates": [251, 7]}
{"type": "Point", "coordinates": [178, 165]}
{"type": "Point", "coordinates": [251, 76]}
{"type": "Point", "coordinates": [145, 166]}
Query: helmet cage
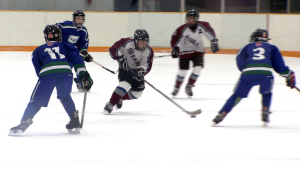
{"type": "Point", "coordinates": [194, 13]}
{"type": "Point", "coordinates": [52, 33]}
{"type": "Point", "coordinates": [259, 35]}
{"type": "Point", "coordinates": [78, 13]}
{"type": "Point", "coordinates": [140, 35]}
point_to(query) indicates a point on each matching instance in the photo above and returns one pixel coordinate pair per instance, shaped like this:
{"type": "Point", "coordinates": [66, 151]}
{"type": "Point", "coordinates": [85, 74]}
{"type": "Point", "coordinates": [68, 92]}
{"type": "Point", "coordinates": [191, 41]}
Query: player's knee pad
{"type": "Point", "coordinates": [196, 70]}
{"type": "Point", "coordinates": [136, 94]}
{"type": "Point", "coordinates": [182, 73]}
{"type": "Point", "coordinates": [125, 85]}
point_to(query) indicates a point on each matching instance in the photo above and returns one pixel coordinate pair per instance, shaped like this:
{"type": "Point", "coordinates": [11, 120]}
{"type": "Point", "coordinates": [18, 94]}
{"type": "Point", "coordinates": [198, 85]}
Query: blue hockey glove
{"type": "Point", "coordinates": [86, 56]}
{"type": "Point", "coordinates": [214, 45]}
{"type": "Point", "coordinates": [86, 80]}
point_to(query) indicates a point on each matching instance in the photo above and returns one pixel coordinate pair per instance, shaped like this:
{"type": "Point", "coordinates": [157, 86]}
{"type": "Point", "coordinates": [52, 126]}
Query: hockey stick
{"type": "Point", "coordinates": [297, 88]}
{"type": "Point", "coordinates": [113, 72]}
{"type": "Point", "coordinates": [191, 113]}
{"type": "Point", "coordinates": [83, 107]}
{"type": "Point", "coordinates": [183, 53]}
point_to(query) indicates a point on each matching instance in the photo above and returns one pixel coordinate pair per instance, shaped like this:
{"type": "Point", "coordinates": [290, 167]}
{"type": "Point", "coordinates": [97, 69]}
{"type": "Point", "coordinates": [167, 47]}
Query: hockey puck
{"type": "Point", "coordinates": [193, 116]}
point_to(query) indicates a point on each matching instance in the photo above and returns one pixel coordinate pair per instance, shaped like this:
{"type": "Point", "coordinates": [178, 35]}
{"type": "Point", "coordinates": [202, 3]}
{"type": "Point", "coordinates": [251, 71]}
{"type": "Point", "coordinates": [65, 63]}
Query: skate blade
{"type": "Point", "coordinates": [196, 112]}
{"type": "Point", "coordinates": [105, 112]}
{"type": "Point", "coordinates": [265, 124]}
{"type": "Point", "coordinates": [213, 124]}
{"type": "Point", "coordinates": [15, 132]}
{"type": "Point", "coordinates": [74, 131]}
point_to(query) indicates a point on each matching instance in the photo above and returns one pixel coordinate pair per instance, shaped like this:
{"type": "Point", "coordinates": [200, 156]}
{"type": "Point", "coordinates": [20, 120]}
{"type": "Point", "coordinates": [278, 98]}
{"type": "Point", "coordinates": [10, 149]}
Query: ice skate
{"type": "Point", "coordinates": [20, 128]}
{"type": "Point", "coordinates": [188, 90]}
{"type": "Point", "coordinates": [108, 108]}
{"type": "Point", "coordinates": [175, 92]}
{"type": "Point", "coordinates": [119, 104]}
{"type": "Point", "coordinates": [219, 118]}
{"type": "Point", "coordinates": [265, 117]}
{"type": "Point", "coordinates": [78, 85]}
{"type": "Point", "coordinates": [74, 125]}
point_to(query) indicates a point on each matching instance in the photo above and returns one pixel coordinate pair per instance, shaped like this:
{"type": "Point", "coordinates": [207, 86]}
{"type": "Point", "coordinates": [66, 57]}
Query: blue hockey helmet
{"type": "Point", "coordinates": [259, 35]}
{"type": "Point", "coordinates": [78, 13]}
{"type": "Point", "coordinates": [52, 33]}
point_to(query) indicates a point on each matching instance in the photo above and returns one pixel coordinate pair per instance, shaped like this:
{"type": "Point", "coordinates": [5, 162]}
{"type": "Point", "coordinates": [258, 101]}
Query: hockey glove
{"type": "Point", "coordinates": [290, 79]}
{"type": "Point", "coordinates": [86, 56]}
{"type": "Point", "coordinates": [86, 80]}
{"type": "Point", "coordinates": [140, 73]}
{"type": "Point", "coordinates": [214, 45]}
{"type": "Point", "coordinates": [122, 63]}
{"type": "Point", "coordinates": [175, 52]}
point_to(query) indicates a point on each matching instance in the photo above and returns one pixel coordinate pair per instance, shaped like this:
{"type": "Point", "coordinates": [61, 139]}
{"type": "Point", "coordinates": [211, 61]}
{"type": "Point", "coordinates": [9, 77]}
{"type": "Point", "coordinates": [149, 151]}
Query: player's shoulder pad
{"type": "Point", "coordinates": [84, 28]}
{"type": "Point", "coordinates": [125, 40]}
{"type": "Point", "coordinates": [66, 24]}
{"type": "Point", "coordinates": [205, 24]}
{"type": "Point", "coordinates": [182, 27]}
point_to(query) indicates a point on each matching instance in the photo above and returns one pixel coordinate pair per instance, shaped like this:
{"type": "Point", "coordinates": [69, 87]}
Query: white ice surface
{"type": "Point", "coordinates": [150, 132]}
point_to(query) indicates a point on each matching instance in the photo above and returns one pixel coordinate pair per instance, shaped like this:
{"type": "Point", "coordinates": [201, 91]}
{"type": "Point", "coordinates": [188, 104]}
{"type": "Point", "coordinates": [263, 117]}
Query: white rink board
{"type": "Point", "coordinates": [232, 30]}
{"type": "Point", "coordinates": [150, 132]}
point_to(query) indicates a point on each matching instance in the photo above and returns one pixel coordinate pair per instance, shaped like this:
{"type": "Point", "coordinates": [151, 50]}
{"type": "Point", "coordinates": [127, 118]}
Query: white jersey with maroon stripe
{"type": "Point", "coordinates": [191, 40]}
{"type": "Point", "coordinates": [135, 58]}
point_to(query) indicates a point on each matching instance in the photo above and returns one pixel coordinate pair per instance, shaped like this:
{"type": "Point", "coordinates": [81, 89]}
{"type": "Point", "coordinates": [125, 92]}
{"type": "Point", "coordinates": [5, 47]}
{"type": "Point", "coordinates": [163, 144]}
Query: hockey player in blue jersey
{"type": "Point", "coordinates": [52, 62]}
{"type": "Point", "coordinates": [75, 33]}
{"type": "Point", "coordinates": [256, 61]}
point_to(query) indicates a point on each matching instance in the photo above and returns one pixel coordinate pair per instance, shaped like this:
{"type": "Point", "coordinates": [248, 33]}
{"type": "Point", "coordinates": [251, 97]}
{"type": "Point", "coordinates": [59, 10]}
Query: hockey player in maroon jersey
{"type": "Point", "coordinates": [188, 39]}
{"type": "Point", "coordinates": [135, 58]}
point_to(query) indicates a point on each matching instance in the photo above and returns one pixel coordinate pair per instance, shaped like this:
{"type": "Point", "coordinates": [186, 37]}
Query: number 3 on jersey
{"type": "Point", "coordinates": [260, 55]}
{"type": "Point", "coordinates": [52, 54]}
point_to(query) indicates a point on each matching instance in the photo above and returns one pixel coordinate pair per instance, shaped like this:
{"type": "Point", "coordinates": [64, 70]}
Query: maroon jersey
{"type": "Point", "coordinates": [191, 40]}
{"type": "Point", "coordinates": [135, 58]}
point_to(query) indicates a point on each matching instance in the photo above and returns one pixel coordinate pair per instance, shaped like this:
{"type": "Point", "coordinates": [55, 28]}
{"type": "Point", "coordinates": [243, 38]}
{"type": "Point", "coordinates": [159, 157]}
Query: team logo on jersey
{"type": "Point", "coordinates": [132, 55]}
{"type": "Point", "coordinates": [73, 39]}
{"type": "Point", "coordinates": [258, 44]}
{"type": "Point", "coordinates": [49, 44]}
{"type": "Point", "coordinates": [200, 31]}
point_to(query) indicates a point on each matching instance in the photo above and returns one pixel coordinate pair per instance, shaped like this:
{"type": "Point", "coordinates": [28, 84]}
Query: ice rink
{"type": "Point", "coordinates": [150, 132]}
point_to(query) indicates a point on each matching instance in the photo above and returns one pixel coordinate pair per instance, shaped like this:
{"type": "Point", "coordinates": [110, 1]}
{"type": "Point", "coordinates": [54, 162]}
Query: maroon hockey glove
{"type": "Point", "coordinates": [140, 73]}
{"type": "Point", "coordinates": [122, 63]}
{"type": "Point", "coordinates": [175, 52]}
{"type": "Point", "coordinates": [214, 45]}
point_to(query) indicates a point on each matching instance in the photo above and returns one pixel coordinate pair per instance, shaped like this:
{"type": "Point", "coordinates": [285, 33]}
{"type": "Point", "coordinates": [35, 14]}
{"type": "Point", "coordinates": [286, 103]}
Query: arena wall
{"type": "Point", "coordinates": [22, 30]}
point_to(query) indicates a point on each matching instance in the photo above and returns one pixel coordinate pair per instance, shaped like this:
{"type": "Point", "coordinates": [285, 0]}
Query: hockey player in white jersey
{"type": "Point", "coordinates": [187, 45]}
{"type": "Point", "coordinates": [135, 59]}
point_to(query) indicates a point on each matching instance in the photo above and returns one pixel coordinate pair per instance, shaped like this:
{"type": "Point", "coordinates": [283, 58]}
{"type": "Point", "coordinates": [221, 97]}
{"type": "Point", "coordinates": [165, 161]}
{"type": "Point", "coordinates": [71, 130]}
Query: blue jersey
{"type": "Point", "coordinates": [257, 59]}
{"type": "Point", "coordinates": [77, 37]}
{"type": "Point", "coordinates": [55, 59]}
